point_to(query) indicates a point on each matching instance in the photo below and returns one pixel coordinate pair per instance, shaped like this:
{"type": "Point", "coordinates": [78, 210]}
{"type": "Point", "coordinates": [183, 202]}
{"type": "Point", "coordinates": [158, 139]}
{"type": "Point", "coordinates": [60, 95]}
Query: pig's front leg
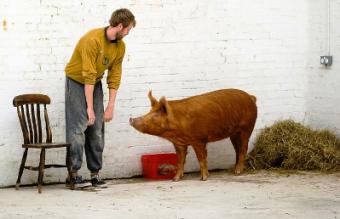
{"type": "Point", "coordinates": [201, 154]}
{"type": "Point", "coordinates": [181, 152]}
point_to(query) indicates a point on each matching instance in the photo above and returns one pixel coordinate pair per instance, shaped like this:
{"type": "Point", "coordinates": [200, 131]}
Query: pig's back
{"type": "Point", "coordinates": [216, 115]}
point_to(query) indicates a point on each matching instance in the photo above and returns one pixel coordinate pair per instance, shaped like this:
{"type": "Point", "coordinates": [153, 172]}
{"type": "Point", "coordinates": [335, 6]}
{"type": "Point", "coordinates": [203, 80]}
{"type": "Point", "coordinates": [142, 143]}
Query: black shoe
{"type": "Point", "coordinates": [98, 182]}
{"type": "Point", "coordinates": [77, 183]}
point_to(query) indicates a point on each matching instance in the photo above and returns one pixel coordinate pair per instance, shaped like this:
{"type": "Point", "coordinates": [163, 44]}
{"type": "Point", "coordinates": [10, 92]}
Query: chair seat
{"type": "Point", "coordinates": [46, 145]}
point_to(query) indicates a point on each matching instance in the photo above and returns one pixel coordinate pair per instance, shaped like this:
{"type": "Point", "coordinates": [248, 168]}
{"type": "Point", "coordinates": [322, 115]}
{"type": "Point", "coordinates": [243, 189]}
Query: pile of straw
{"type": "Point", "coordinates": [291, 146]}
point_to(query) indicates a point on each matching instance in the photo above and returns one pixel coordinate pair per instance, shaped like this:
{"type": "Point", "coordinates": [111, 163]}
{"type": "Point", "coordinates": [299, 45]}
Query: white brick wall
{"type": "Point", "coordinates": [323, 99]}
{"type": "Point", "coordinates": [179, 48]}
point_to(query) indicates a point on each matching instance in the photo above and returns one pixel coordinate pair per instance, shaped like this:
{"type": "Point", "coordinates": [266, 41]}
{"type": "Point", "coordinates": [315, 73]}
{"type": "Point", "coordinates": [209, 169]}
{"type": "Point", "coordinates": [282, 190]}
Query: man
{"type": "Point", "coordinates": [98, 50]}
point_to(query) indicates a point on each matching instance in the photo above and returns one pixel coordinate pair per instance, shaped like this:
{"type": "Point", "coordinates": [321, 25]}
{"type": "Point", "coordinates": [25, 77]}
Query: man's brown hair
{"type": "Point", "coordinates": [123, 16]}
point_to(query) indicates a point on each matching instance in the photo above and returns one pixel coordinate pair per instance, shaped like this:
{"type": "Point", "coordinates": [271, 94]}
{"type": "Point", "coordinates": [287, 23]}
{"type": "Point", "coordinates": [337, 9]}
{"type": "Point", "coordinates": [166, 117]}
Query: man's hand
{"type": "Point", "coordinates": [91, 116]}
{"type": "Point", "coordinates": [108, 114]}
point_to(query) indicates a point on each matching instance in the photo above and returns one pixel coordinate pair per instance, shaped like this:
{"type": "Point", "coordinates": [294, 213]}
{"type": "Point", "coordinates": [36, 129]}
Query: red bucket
{"type": "Point", "coordinates": [159, 166]}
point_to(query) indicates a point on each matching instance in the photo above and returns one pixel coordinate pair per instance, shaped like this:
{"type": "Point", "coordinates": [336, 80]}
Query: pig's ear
{"type": "Point", "coordinates": [152, 99]}
{"type": "Point", "coordinates": [164, 105]}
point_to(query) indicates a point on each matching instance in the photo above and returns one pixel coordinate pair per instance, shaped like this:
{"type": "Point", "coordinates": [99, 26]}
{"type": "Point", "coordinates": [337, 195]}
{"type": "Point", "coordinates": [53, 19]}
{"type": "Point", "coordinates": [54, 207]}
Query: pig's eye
{"type": "Point", "coordinates": [156, 116]}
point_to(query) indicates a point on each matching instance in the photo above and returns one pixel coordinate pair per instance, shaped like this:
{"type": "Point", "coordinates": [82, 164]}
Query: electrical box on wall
{"type": "Point", "coordinates": [326, 60]}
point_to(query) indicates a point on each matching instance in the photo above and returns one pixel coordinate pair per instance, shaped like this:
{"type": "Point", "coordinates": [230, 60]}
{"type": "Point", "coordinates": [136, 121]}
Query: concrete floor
{"type": "Point", "coordinates": [261, 195]}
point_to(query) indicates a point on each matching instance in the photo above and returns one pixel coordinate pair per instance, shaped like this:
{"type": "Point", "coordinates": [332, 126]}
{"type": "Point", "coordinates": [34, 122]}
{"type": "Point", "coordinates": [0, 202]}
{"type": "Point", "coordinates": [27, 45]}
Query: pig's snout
{"type": "Point", "coordinates": [136, 123]}
{"type": "Point", "coordinates": [131, 121]}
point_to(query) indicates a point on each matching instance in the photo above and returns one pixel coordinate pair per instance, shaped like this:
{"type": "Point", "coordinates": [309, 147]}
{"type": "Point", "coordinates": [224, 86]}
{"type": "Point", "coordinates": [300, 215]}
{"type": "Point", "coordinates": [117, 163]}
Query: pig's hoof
{"type": "Point", "coordinates": [176, 178]}
{"type": "Point", "coordinates": [204, 178]}
{"type": "Point", "coordinates": [237, 171]}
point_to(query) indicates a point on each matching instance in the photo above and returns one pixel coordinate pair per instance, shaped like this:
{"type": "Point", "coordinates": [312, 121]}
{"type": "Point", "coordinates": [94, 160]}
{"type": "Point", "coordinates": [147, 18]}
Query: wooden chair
{"type": "Point", "coordinates": [29, 108]}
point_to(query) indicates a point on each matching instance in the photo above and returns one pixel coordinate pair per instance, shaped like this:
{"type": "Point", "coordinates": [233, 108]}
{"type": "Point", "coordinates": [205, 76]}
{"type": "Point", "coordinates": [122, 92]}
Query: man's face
{"type": "Point", "coordinates": [123, 32]}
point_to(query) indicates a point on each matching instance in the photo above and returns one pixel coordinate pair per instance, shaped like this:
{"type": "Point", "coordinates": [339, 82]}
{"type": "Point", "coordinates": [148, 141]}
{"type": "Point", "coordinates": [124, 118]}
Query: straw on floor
{"type": "Point", "coordinates": [290, 145]}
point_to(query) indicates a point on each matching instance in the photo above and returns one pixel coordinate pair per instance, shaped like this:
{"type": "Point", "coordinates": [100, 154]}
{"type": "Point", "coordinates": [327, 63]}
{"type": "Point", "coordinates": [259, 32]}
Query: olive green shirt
{"type": "Point", "coordinates": [94, 53]}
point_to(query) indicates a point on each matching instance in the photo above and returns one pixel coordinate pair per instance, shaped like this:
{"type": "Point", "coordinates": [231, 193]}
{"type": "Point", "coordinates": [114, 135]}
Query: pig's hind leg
{"type": "Point", "coordinates": [240, 143]}
{"type": "Point", "coordinates": [181, 152]}
{"type": "Point", "coordinates": [236, 141]}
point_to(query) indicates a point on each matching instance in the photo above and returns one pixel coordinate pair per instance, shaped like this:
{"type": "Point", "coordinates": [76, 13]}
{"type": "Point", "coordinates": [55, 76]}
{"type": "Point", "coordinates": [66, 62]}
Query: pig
{"type": "Point", "coordinates": [197, 120]}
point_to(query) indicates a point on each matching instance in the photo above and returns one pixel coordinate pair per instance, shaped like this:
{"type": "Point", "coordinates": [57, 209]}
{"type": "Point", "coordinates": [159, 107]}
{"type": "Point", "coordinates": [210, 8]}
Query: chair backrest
{"type": "Point", "coordinates": [29, 108]}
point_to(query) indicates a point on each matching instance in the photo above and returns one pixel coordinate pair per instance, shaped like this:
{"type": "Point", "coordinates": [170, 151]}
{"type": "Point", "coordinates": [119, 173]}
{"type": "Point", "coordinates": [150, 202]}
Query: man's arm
{"type": "Point", "coordinates": [113, 81]}
{"type": "Point", "coordinates": [89, 72]}
{"type": "Point", "coordinates": [108, 114]}
{"type": "Point", "coordinates": [89, 101]}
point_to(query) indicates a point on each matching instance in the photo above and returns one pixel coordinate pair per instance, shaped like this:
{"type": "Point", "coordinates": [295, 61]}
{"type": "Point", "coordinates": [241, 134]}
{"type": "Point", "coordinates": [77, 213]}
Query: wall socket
{"type": "Point", "coordinates": [326, 60]}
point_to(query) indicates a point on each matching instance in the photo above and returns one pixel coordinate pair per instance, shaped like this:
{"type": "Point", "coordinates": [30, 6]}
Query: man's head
{"type": "Point", "coordinates": [124, 20]}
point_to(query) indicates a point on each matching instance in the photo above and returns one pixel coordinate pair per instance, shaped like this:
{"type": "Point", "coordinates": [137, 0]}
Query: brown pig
{"type": "Point", "coordinates": [200, 119]}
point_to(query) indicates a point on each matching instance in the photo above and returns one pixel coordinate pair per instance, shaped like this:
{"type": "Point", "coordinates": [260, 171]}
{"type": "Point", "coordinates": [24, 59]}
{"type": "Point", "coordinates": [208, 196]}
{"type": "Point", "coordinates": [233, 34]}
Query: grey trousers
{"type": "Point", "coordinates": [78, 133]}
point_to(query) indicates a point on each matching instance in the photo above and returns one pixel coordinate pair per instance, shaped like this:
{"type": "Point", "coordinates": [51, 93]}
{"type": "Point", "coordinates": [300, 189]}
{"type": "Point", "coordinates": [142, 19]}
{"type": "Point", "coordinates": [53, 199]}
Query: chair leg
{"type": "Point", "coordinates": [21, 169]}
{"type": "Point", "coordinates": [69, 166]}
{"type": "Point", "coordinates": [41, 169]}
